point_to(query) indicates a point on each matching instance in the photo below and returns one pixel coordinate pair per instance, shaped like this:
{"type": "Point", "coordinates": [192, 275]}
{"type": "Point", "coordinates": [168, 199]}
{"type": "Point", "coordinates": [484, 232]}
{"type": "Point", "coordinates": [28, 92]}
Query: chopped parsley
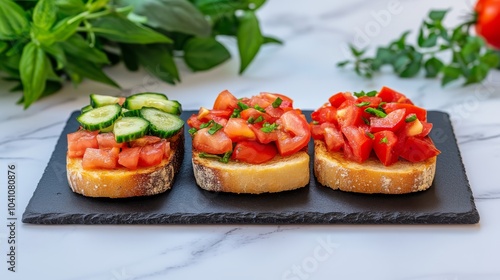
{"type": "Point", "coordinates": [277, 102]}
{"type": "Point", "coordinates": [192, 130]}
{"type": "Point", "coordinates": [411, 118]}
{"type": "Point", "coordinates": [252, 120]}
{"type": "Point", "coordinates": [242, 105]}
{"type": "Point", "coordinates": [363, 93]}
{"type": "Point", "coordinates": [222, 158]}
{"type": "Point", "coordinates": [258, 108]}
{"type": "Point", "coordinates": [267, 127]}
{"type": "Point", "coordinates": [214, 128]}
{"type": "Point", "coordinates": [363, 104]}
{"type": "Point", "coordinates": [376, 112]}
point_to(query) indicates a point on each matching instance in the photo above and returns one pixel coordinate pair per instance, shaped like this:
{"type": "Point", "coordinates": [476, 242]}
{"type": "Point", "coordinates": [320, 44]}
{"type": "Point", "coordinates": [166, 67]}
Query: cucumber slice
{"type": "Point", "coordinates": [86, 108]}
{"type": "Point", "coordinates": [137, 101]}
{"type": "Point", "coordinates": [97, 100]}
{"type": "Point", "coordinates": [162, 124]}
{"type": "Point", "coordinates": [131, 113]}
{"type": "Point", "coordinates": [151, 95]}
{"type": "Point", "coordinates": [107, 129]}
{"type": "Point", "coordinates": [100, 118]}
{"type": "Point", "coordinates": [130, 128]}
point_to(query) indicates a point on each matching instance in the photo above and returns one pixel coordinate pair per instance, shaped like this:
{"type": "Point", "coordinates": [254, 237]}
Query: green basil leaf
{"type": "Point", "coordinates": [56, 51]}
{"type": "Point", "coordinates": [64, 29]}
{"type": "Point", "coordinates": [44, 14]}
{"type": "Point", "coordinates": [477, 74]}
{"type": "Point", "coordinates": [400, 63]}
{"type": "Point", "coordinates": [158, 61]}
{"type": "Point", "coordinates": [13, 20]}
{"type": "Point", "coordinates": [219, 8]}
{"type": "Point", "coordinates": [119, 29]}
{"type": "Point", "coordinates": [3, 46]}
{"type": "Point", "coordinates": [226, 25]}
{"type": "Point", "coordinates": [437, 15]}
{"type": "Point", "coordinates": [249, 38]}
{"type": "Point", "coordinates": [430, 41]}
{"type": "Point", "coordinates": [79, 66]}
{"type": "Point", "coordinates": [204, 53]}
{"type": "Point", "coordinates": [255, 4]}
{"type": "Point", "coordinates": [78, 47]}
{"type": "Point", "coordinates": [490, 58]}
{"type": "Point", "coordinates": [33, 71]}
{"type": "Point", "coordinates": [412, 69]}
{"type": "Point", "coordinates": [450, 74]}
{"type": "Point", "coordinates": [272, 40]}
{"type": "Point", "coordinates": [171, 15]}
{"type": "Point", "coordinates": [70, 7]}
{"type": "Point", "coordinates": [10, 64]}
{"type": "Point", "coordinates": [432, 67]}
{"type": "Point", "coordinates": [129, 57]}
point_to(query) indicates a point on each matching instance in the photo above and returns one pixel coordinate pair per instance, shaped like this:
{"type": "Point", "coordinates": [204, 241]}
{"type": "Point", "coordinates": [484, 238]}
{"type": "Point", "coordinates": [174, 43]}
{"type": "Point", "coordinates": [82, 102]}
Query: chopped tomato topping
{"type": "Point", "coordinates": [107, 140]}
{"type": "Point", "coordinates": [238, 130]}
{"type": "Point", "coordinates": [217, 143]}
{"type": "Point", "coordinates": [129, 157]}
{"type": "Point", "coordinates": [80, 140]}
{"type": "Point", "coordinates": [225, 101]}
{"type": "Point", "coordinates": [264, 137]}
{"type": "Point", "coordinates": [387, 123]}
{"type": "Point", "coordinates": [145, 140]}
{"type": "Point", "coordinates": [254, 152]}
{"type": "Point", "coordinates": [100, 158]}
{"type": "Point", "coordinates": [293, 133]}
{"type": "Point", "coordinates": [151, 154]}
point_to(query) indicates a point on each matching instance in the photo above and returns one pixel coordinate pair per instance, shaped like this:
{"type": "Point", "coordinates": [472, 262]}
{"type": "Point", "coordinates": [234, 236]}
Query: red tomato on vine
{"type": "Point", "coordinates": [488, 21]}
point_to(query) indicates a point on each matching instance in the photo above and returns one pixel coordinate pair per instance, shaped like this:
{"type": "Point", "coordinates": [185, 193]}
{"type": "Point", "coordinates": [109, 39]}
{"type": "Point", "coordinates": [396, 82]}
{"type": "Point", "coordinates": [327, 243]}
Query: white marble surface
{"type": "Point", "coordinates": [315, 33]}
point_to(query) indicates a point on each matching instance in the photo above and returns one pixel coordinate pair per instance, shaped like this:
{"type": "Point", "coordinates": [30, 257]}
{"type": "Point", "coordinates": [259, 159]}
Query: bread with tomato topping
{"type": "Point", "coordinates": [126, 147]}
{"type": "Point", "coordinates": [250, 145]}
{"type": "Point", "coordinates": [376, 143]}
{"type": "Point", "coordinates": [122, 182]}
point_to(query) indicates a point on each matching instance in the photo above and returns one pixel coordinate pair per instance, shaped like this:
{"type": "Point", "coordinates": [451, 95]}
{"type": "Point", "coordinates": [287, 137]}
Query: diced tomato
{"type": "Point", "coordinates": [349, 114]}
{"type": "Point", "coordinates": [259, 101]}
{"type": "Point", "coordinates": [413, 128]}
{"type": "Point", "coordinates": [167, 150]}
{"type": "Point", "coordinates": [274, 112]}
{"type": "Point", "coordinates": [253, 152]}
{"type": "Point", "coordinates": [80, 140]}
{"type": "Point", "coordinates": [121, 100]}
{"type": "Point", "coordinates": [427, 127]}
{"type": "Point", "coordinates": [255, 114]}
{"type": "Point", "coordinates": [389, 95]}
{"type": "Point", "coordinates": [193, 121]}
{"type": "Point", "coordinates": [393, 121]}
{"type": "Point", "coordinates": [383, 145]}
{"type": "Point", "coordinates": [293, 133]}
{"type": "Point", "coordinates": [337, 99]}
{"type": "Point", "coordinates": [152, 154]}
{"type": "Point", "coordinates": [286, 102]}
{"type": "Point", "coordinates": [100, 158]}
{"type": "Point", "coordinates": [263, 137]}
{"type": "Point", "coordinates": [359, 144]}
{"type": "Point", "coordinates": [225, 101]}
{"type": "Point", "coordinates": [419, 149]}
{"type": "Point", "coordinates": [145, 140]}
{"type": "Point", "coordinates": [325, 114]}
{"type": "Point", "coordinates": [317, 132]}
{"type": "Point", "coordinates": [373, 101]}
{"type": "Point", "coordinates": [333, 138]}
{"type": "Point", "coordinates": [218, 143]}
{"type": "Point", "coordinates": [221, 113]}
{"type": "Point", "coordinates": [410, 109]}
{"type": "Point", "coordinates": [238, 130]}
{"type": "Point", "coordinates": [107, 140]}
{"type": "Point", "coordinates": [129, 158]}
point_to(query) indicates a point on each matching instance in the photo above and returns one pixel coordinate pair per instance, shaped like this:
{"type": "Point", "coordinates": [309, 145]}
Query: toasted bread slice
{"type": "Point", "coordinates": [279, 174]}
{"type": "Point", "coordinates": [334, 171]}
{"type": "Point", "coordinates": [122, 182]}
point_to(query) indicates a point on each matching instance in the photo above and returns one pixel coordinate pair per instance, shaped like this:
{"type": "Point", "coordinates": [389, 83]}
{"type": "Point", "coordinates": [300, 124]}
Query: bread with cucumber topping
{"type": "Point", "coordinates": [126, 147]}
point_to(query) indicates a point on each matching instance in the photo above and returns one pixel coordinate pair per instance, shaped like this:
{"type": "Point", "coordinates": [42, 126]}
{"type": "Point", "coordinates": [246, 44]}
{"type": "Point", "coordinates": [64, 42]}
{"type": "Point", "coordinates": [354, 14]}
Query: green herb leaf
{"type": "Point", "coordinates": [370, 135]}
{"type": "Point", "coordinates": [34, 67]}
{"type": "Point", "coordinates": [158, 61]}
{"type": "Point", "coordinates": [249, 38]}
{"type": "Point", "coordinates": [13, 20]}
{"type": "Point", "coordinates": [207, 124]}
{"type": "Point", "coordinates": [433, 67]}
{"type": "Point", "coordinates": [258, 108]}
{"type": "Point", "coordinates": [384, 140]}
{"type": "Point", "coordinates": [70, 7]}
{"type": "Point", "coordinates": [268, 128]}
{"type": "Point", "coordinates": [411, 118]}
{"type": "Point", "coordinates": [437, 15]}
{"type": "Point", "coordinates": [277, 102]}
{"type": "Point", "coordinates": [79, 67]}
{"type": "Point", "coordinates": [272, 40]}
{"type": "Point", "coordinates": [450, 74]}
{"type": "Point", "coordinates": [204, 53]}
{"type": "Point", "coordinates": [117, 28]}
{"type": "Point", "coordinates": [64, 29]}
{"type": "Point", "coordinates": [79, 47]}
{"type": "Point", "coordinates": [376, 112]}
{"type": "Point", "coordinates": [242, 105]}
{"type": "Point", "coordinates": [57, 53]}
{"type": "Point", "coordinates": [192, 130]}
{"type": "Point", "coordinates": [363, 104]}
{"type": "Point", "coordinates": [129, 57]}
{"type": "Point", "coordinates": [44, 14]}
{"type": "Point", "coordinates": [214, 128]}
{"type": "Point", "coordinates": [171, 15]}
{"type": "Point", "coordinates": [259, 119]}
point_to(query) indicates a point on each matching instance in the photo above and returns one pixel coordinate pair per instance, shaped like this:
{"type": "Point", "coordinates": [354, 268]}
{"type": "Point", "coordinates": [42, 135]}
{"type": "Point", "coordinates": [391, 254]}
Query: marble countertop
{"type": "Point", "coordinates": [315, 35]}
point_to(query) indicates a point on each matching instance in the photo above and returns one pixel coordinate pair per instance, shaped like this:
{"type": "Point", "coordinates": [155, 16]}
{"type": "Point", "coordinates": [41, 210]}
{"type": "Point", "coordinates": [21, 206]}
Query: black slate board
{"type": "Point", "coordinates": [448, 201]}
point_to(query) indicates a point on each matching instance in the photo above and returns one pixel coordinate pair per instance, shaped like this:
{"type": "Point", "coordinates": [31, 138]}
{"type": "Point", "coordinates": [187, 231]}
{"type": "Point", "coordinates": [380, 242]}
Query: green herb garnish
{"type": "Point", "coordinates": [363, 104]}
{"type": "Point", "coordinates": [384, 140]}
{"type": "Point", "coordinates": [267, 127]}
{"type": "Point", "coordinates": [258, 108]}
{"type": "Point", "coordinates": [411, 118]}
{"type": "Point", "coordinates": [277, 102]}
{"type": "Point", "coordinates": [214, 128]}
{"type": "Point", "coordinates": [376, 112]}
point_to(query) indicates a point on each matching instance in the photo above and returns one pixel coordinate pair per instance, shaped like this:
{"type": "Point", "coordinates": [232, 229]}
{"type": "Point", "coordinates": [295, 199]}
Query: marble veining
{"type": "Point", "coordinates": [316, 34]}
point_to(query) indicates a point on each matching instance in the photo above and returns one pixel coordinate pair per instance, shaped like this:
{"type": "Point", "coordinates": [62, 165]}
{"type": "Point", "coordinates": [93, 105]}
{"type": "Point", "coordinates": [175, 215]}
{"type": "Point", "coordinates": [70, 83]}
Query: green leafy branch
{"type": "Point", "coordinates": [470, 58]}
{"type": "Point", "coordinates": [44, 42]}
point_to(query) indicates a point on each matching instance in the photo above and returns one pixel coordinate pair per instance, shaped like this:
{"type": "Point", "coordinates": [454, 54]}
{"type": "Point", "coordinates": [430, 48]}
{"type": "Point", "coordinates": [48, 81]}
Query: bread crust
{"type": "Point", "coordinates": [123, 182]}
{"type": "Point", "coordinates": [334, 171]}
{"type": "Point", "coordinates": [279, 174]}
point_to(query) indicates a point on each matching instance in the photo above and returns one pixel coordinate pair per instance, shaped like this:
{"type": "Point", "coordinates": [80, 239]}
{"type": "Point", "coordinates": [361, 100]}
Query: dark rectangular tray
{"type": "Point", "coordinates": [448, 201]}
